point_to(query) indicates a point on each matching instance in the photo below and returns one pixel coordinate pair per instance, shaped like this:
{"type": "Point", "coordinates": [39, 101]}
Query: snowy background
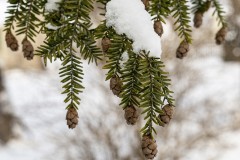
{"type": "Point", "coordinates": [206, 125]}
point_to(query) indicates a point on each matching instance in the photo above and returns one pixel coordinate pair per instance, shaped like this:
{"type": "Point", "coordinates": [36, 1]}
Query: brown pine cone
{"type": "Point", "coordinates": [158, 27]}
{"type": "Point", "coordinates": [131, 115]}
{"type": "Point", "coordinates": [146, 3]}
{"type": "Point", "coordinates": [11, 41]}
{"type": "Point", "coordinates": [220, 36]}
{"type": "Point", "coordinates": [27, 49]}
{"type": "Point", "coordinates": [198, 19]}
{"type": "Point", "coordinates": [149, 147]}
{"type": "Point", "coordinates": [182, 50]}
{"type": "Point", "coordinates": [116, 85]}
{"type": "Point", "coordinates": [167, 115]}
{"type": "Point", "coordinates": [106, 42]}
{"type": "Point", "coordinates": [72, 118]}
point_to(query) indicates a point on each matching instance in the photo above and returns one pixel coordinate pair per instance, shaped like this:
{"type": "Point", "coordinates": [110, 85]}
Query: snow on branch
{"type": "Point", "coordinates": [131, 18]}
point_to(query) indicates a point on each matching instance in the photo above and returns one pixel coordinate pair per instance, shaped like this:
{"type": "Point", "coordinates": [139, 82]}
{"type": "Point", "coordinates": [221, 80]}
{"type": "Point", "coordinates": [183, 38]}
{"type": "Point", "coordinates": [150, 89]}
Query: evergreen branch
{"type": "Point", "coordinates": [119, 44]}
{"type": "Point", "coordinates": [200, 5]}
{"type": "Point", "coordinates": [71, 23]}
{"type": "Point", "coordinates": [181, 13]}
{"type": "Point", "coordinates": [131, 79]}
{"type": "Point", "coordinates": [13, 11]}
{"type": "Point", "coordinates": [160, 9]}
{"type": "Point", "coordinates": [28, 20]}
{"type": "Point", "coordinates": [151, 93]}
{"type": "Point", "coordinates": [71, 72]}
{"type": "Point", "coordinates": [220, 13]}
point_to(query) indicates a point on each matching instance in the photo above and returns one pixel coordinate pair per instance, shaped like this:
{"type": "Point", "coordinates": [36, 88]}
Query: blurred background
{"type": "Point", "coordinates": [207, 92]}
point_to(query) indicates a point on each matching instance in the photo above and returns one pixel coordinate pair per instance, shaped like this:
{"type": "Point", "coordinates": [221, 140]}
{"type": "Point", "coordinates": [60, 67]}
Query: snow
{"type": "Point", "coordinates": [131, 18]}
{"type": "Point", "coordinates": [52, 5]}
{"type": "Point", "coordinates": [124, 59]}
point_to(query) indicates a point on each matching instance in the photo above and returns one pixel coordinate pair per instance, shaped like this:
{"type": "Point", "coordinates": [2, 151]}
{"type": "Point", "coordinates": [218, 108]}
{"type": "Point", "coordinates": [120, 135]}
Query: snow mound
{"type": "Point", "coordinates": [130, 18]}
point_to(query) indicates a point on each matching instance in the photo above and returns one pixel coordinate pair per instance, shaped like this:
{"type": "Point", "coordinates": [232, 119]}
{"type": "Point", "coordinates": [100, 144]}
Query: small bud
{"type": "Point", "coordinates": [158, 28]}
{"type": "Point", "coordinates": [149, 147]}
{"type": "Point", "coordinates": [131, 115]}
{"type": "Point", "coordinates": [106, 42]}
{"type": "Point", "coordinates": [182, 50]}
{"type": "Point", "coordinates": [27, 49]}
{"type": "Point", "coordinates": [220, 36]}
{"type": "Point", "coordinates": [11, 41]}
{"type": "Point", "coordinates": [72, 118]}
{"type": "Point", "coordinates": [116, 85]}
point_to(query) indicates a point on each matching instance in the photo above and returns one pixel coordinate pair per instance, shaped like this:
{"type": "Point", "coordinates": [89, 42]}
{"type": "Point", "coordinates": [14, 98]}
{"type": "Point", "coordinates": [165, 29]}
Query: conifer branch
{"type": "Point", "coordinates": [13, 11]}
{"type": "Point", "coordinates": [151, 93]}
{"type": "Point", "coordinates": [160, 9]}
{"type": "Point", "coordinates": [28, 20]}
{"type": "Point", "coordinates": [181, 13]}
{"type": "Point", "coordinates": [119, 44]}
{"type": "Point", "coordinates": [71, 72]}
{"type": "Point", "coordinates": [220, 13]}
{"type": "Point", "coordinates": [131, 82]}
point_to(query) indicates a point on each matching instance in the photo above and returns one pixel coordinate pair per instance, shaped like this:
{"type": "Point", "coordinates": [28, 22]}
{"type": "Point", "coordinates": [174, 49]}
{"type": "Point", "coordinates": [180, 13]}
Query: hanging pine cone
{"type": "Point", "coordinates": [198, 19]}
{"type": "Point", "coordinates": [131, 115]}
{"type": "Point", "coordinates": [27, 49]}
{"type": "Point", "coordinates": [220, 36]}
{"type": "Point", "coordinates": [149, 147]}
{"type": "Point", "coordinates": [72, 118]}
{"type": "Point", "coordinates": [167, 115]}
{"type": "Point", "coordinates": [182, 50]}
{"type": "Point", "coordinates": [158, 27]}
{"type": "Point", "coordinates": [11, 41]}
{"type": "Point", "coordinates": [106, 42]}
{"type": "Point", "coordinates": [146, 3]}
{"type": "Point", "coordinates": [116, 85]}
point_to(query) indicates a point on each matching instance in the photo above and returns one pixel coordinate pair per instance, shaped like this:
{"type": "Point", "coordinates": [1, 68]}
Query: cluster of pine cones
{"type": "Point", "coordinates": [12, 43]}
{"type": "Point", "coordinates": [131, 115]}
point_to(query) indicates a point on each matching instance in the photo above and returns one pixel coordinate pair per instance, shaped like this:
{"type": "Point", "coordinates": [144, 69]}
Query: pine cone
{"type": "Point", "coordinates": [116, 85]}
{"type": "Point", "coordinates": [72, 117]}
{"type": "Point", "coordinates": [146, 3]}
{"type": "Point", "coordinates": [182, 50]}
{"type": "Point", "coordinates": [27, 49]}
{"type": "Point", "coordinates": [11, 41]}
{"type": "Point", "coordinates": [167, 115]}
{"type": "Point", "coordinates": [220, 36]}
{"type": "Point", "coordinates": [158, 27]}
{"type": "Point", "coordinates": [131, 115]}
{"type": "Point", "coordinates": [149, 147]}
{"type": "Point", "coordinates": [198, 19]}
{"type": "Point", "coordinates": [106, 42]}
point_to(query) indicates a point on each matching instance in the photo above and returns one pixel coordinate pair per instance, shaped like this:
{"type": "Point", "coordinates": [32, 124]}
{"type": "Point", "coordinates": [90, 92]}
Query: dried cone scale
{"type": "Point", "coordinates": [72, 118]}
{"type": "Point", "coordinates": [220, 36]}
{"type": "Point", "coordinates": [198, 19]}
{"type": "Point", "coordinates": [182, 50]}
{"type": "Point", "coordinates": [149, 147]}
{"type": "Point", "coordinates": [116, 85]}
{"type": "Point", "coordinates": [27, 49]}
{"type": "Point", "coordinates": [106, 42]}
{"type": "Point", "coordinates": [167, 115]}
{"type": "Point", "coordinates": [158, 28]}
{"type": "Point", "coordinates": [11, 41]}
{"type": "Point", "coordinates": [131, 115]}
